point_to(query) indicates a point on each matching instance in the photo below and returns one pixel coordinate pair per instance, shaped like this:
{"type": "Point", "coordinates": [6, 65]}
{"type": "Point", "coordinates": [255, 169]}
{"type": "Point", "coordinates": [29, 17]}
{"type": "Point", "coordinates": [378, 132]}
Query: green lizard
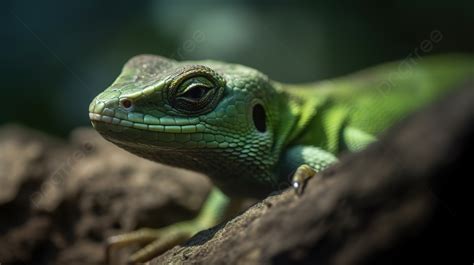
{"type": "Point", "coordinates": [249, 134]}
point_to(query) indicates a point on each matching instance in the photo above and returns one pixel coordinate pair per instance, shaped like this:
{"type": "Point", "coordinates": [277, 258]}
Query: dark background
{"type": "Point", "coordinates": [57, 55]}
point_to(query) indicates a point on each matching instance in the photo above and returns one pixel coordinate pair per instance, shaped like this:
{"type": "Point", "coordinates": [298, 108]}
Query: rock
{"type": "Point", "coordinates": [27, 158]}
{"type": "Point", "coordinates": [60, 200]}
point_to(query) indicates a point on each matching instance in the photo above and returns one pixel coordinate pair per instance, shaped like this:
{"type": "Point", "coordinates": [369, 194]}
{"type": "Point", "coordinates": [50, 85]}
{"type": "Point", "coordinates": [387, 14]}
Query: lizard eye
{"type": "Point", "coordinates": [197, 91]}
{"type": "Point", "coordinates": [194, 92]}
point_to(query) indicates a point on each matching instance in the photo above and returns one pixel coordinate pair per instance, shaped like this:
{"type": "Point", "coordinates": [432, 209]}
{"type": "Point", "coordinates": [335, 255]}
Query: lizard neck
{"type": "Point", "coordinates": [300, 107]}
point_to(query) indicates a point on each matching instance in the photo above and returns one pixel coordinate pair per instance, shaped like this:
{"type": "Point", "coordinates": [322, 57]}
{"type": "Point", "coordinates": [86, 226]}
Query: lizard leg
{"type": "Point", "coordinates": [308, 160]}
{"type": "Point", "coordinates": [302, 163]}
{"type": "Point", "coordinates": [355, 140]}
{"type": "Point", "coordinates": [162, 239]}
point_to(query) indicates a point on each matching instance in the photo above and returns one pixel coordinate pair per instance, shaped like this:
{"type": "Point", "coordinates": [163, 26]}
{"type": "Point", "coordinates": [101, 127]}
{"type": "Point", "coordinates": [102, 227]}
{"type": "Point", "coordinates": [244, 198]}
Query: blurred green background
{"type": "Point", "coordinates": [57, 55]}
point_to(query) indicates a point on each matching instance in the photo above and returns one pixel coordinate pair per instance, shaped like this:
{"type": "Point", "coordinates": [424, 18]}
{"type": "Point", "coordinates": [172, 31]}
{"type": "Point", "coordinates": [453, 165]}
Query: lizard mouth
{"type": "Point", "coordinates": [168, 125]}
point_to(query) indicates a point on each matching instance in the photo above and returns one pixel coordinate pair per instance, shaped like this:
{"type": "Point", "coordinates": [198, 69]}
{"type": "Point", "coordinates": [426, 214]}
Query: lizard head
{"type": "Point", "coordinates": [208, 116]}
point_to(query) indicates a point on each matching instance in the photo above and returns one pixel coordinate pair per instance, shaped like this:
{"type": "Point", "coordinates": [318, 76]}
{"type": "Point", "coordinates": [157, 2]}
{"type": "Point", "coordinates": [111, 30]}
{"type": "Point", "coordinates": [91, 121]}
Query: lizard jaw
{"type": "Point", "coordinates": [163, 127]}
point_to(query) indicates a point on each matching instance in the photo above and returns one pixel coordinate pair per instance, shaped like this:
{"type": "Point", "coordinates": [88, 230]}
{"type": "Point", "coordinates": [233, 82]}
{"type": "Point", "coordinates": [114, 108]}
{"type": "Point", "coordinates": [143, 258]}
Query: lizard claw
{"type": "Point", "coordinates": [297, 187]}
{"type": "Point", "coordinates": [157, 240]}
{"type": "Point", "coordinates": [301, 176]}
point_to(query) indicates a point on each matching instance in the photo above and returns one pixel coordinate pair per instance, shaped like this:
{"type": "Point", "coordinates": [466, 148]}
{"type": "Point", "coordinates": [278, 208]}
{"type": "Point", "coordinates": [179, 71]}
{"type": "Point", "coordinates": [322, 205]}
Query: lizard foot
{"type": "Point", "coordinates": [301, 176]}
{"type": "Point", "coordinates": [157, 240]}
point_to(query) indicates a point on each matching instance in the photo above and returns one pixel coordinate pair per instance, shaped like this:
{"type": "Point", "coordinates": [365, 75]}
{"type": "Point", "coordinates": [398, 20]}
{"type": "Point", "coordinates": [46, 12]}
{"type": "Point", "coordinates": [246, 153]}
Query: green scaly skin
{"type": "Point", "coordinates": [249, 133]}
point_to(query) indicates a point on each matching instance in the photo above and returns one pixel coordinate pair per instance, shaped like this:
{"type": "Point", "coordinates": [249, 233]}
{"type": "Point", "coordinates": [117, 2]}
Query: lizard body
{"type": "Point", "coordinates": [248, 133]}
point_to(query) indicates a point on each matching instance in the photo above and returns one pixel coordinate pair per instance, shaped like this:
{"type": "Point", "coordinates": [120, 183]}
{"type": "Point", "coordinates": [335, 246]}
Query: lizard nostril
{"type": "Point", "coordinates": [126, 103]}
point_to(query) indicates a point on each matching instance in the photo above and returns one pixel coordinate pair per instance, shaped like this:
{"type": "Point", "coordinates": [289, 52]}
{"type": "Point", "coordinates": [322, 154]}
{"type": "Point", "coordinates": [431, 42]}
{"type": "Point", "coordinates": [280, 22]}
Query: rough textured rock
{"type": "Point", "coordinates": [60, 200]}
{"type": "Point", "coordinates": [399, 201]}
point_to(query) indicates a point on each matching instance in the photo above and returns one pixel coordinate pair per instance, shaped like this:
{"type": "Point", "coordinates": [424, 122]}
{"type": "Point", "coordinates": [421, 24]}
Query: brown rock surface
{"type": "Point", "coordinates": [60, 200]}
